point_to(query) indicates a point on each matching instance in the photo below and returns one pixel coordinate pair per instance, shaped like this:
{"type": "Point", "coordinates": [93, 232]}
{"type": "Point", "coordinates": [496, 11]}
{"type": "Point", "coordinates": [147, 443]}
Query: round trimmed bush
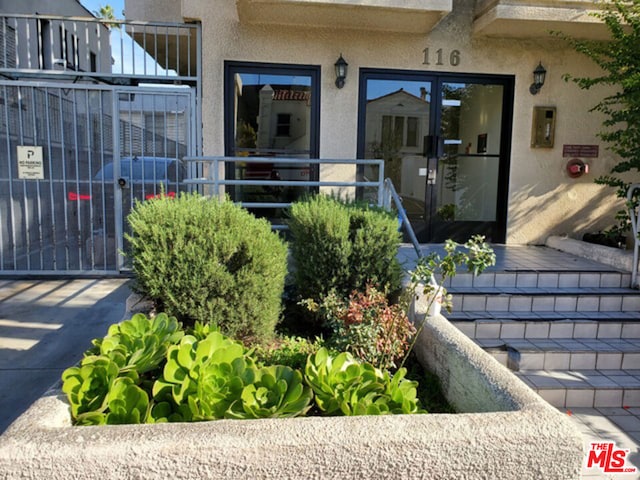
{"type": "Point", "coordinates": [210, 261]}
{"type": "Point", "coordinates": [341, 247]}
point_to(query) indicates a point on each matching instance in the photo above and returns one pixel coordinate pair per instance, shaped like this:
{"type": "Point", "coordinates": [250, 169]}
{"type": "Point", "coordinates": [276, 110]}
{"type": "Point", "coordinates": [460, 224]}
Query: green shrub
{"type": "Point", "coordinates": [209, 261]}
{"type": "Point", "coordinates": [340, 247]}
{"type": "Point", "coordinates": [375, 238]}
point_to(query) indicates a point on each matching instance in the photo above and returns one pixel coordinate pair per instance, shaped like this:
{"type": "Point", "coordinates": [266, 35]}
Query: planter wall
{"type": "Point", "coordinates": [516, 436]}
{"type": "Point", "coordinates": [614, 257]}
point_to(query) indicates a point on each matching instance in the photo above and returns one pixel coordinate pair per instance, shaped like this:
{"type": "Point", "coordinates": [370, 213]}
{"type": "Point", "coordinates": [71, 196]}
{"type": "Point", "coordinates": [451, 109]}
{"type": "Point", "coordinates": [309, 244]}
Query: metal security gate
{"type": "Point", "coordinates": [73, 161]}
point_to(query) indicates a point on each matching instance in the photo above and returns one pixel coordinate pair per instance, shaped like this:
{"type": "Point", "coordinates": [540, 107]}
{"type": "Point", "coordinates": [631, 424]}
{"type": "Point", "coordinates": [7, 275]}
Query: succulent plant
{"type": "Point", "coordinates": [105, 387]}
{"type": "Point", "coordinates": [87, 385]}
{"type": "Point", "coordinates": [127, 403]}
{"type": "Point", "coordinates": [204, 377]}
{"type": "Point", "coordinates": [143, 342]}
{"type": "Point", "coordinates": [277, 391]}
{"type": "Point", "coordinates": [212, 376]}
{"type": "Point", "coordinates": [344, 386]}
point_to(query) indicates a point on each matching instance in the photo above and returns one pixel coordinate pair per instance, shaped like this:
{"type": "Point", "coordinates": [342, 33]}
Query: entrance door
{"type": "Point", "coordinates": [271, 111]}
{"type": "Point", "coordinates": [445, 141]}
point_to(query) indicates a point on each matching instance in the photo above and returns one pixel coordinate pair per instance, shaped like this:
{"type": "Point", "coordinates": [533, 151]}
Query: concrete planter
{"type": "Point", "coordinates": [614, 257]}
{"type": "Point", "coordinates": [508, 433]}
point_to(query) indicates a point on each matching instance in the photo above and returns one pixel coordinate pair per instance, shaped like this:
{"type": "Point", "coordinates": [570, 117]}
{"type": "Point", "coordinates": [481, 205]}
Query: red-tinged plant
{"type": "Point", "coordinates": [368, 327]}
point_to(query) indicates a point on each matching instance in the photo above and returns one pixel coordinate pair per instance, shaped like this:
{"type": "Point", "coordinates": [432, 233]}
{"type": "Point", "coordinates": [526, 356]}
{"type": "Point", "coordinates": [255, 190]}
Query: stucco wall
{"type": "Point", "coordinates": [542, 199]}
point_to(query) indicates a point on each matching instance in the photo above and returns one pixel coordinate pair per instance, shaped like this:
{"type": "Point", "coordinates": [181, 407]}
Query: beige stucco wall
{"type": "Point", "coordinates": [542, 199]}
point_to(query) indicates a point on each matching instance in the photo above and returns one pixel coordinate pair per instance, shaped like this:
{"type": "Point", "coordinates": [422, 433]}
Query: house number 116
{"type": "Point", "coordinates": [454, 57]}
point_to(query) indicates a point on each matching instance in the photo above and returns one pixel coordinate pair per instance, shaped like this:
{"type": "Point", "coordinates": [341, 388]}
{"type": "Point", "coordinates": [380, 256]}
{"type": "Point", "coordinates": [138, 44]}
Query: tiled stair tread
{"type": "Point", "coordinates": [557, 270]}
{"type": "Point", "coordinates": [545, 329]}
{"type": "Point", "coordinates": [542, 279]}
{"type": "Point", "coordinates": [593, 302]}
{"type": "Point", "coordinates": [570, 345]}
{"type": "Point", "coordinates": [542, 291]}
{"type": "Point", "coordinates": [581, 379]}
{"type": "Point", "coordinates": [553, 316]}
{"type": "Point", "coordinates": [585, 388]}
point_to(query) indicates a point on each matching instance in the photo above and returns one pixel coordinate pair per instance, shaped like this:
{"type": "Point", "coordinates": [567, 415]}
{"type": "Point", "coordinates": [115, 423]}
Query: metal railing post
{"type": "Point", "coordinates": [216, 177]}
{"type": "Point", "coordinates": [381, 183]}
{"type": "Point", "coordinates": [633, 216]}
{"type": "Point", "coordinates": [403, 215]}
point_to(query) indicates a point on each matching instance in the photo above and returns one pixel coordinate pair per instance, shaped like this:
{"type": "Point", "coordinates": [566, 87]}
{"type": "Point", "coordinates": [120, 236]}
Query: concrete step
{"type": "Point", "coordinates": [573, 336]}
{"type": "Point", "coordinates": [585, 327]}
{"type": "Point", "coordinates": [565, 354]}
{"type": "Point", "coordinates": [542, 279]}
{"type": "Point", "coordinates": [537, 317]}
{"type": "Point", "coordinates": [493, 299]}
{"type": "Point", "coordinates": [585, 388]}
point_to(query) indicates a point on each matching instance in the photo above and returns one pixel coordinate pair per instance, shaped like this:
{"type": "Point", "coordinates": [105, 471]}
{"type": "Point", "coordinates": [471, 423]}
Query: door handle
{"type": "Point", "coordinates": [122, 182]}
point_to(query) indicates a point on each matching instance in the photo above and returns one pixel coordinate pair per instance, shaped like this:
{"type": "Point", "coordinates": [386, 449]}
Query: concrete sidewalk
{"type": "Point", "coordinates": [45, 326]}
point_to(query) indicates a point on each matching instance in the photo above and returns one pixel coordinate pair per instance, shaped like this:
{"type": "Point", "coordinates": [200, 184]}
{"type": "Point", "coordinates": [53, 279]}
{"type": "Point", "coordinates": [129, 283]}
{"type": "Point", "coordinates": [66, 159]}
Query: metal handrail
{"type": "Point", "coordinates": [386, 191]}
{"type": "Point", "coordinates": [391, 194]}
{"type": "Point", "coordinates": [634, 214]}
{"type": "Point", "coordinates": [216, 182]}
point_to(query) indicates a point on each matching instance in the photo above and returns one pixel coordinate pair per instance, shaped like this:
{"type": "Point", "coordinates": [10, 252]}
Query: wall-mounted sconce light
{"type": "Point", "coordinates": [539, 75]}
{"type": "Point", "coordinates": [341, 71]}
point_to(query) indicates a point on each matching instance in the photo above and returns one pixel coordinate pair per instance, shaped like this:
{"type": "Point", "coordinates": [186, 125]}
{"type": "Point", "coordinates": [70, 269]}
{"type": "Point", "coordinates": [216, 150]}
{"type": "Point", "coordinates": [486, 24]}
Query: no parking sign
{"type": "Point", "coordinates": [30, 164]}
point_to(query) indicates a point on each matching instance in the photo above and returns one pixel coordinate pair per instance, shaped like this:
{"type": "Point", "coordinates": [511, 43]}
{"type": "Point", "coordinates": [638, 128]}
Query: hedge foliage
{"type": "Point", "coordinates": [209, 261]}
{"type": "Point", "coordinates": [341, 247]}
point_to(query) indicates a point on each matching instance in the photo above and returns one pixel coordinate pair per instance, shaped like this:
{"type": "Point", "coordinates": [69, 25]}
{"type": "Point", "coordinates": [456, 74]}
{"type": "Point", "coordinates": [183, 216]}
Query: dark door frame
{"type": "Point", "coordinates": [231, 67]}
{"type": "Point", "coordinates": [437, 79]}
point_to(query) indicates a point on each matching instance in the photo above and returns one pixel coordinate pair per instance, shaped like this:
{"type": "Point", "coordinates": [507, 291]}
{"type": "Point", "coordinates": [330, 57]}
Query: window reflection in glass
{"type": "Point", "coordinates": [397, 126]}
{"type": "Point", "coordinates": [273, 115]}
{"type": "Point", "coordinates": [272, 119]}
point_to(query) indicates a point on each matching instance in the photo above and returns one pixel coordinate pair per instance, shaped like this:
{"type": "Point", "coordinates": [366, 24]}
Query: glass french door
{"type": "Point", "coordinates": [445, 141]}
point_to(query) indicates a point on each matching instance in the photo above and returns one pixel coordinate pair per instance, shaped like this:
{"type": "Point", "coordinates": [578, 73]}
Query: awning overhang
{"type": "Point", "coordinates": [538, 18]}
{"type": "Point", "coordinates": [403, 16]}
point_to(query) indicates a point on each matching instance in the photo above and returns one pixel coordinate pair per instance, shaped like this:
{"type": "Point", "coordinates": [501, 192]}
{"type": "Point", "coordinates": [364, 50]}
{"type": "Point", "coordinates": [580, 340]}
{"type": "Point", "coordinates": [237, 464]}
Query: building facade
{"type": "Point", "coordinates": [441, 90]}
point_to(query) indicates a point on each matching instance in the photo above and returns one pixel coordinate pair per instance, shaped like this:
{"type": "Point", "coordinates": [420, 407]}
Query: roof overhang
{"type": "Point", "coordinates": [404, 16]}
{"type": "Point", "coordinates": [537, 18]}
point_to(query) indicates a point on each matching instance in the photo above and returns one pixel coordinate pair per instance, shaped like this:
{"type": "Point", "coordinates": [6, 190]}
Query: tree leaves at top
{"type": "Point", "coordinates": [618, 59]}
{"type": "Point", "coordinates": [105, 12]}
